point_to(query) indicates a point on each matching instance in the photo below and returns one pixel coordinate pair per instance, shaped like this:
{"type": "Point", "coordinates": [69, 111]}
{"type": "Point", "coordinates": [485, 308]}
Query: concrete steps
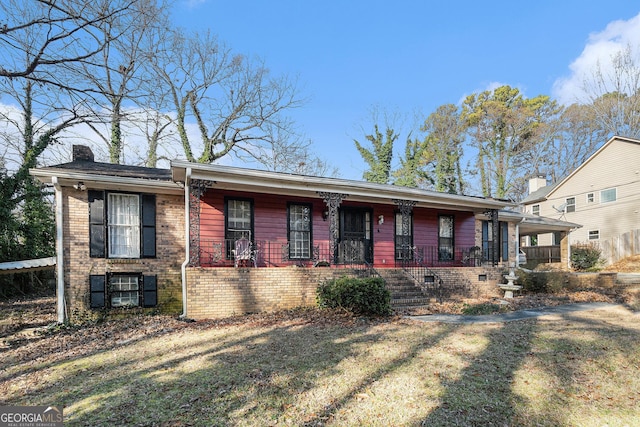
{"type": "Point", "coordinates": [407, 294]}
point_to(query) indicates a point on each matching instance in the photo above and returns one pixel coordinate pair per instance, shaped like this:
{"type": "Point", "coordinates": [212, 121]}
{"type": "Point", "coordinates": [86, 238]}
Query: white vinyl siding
{"type": "Point", "coordinates": [593, 178]}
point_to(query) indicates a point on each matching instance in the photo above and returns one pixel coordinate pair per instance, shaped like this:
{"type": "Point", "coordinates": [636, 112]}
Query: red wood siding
{"type": "Point", "coordinates": [270, 223]}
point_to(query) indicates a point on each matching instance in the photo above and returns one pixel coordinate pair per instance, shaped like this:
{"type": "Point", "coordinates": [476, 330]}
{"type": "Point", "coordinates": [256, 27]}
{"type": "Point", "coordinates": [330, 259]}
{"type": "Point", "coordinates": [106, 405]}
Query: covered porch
{"type": "Point", "coordinates": [250, 218]}
{"type": "Point", "coordinates": [530, 226]}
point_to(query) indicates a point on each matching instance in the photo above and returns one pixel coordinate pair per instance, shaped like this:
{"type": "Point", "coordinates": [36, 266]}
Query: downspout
{"type": "Point", "coordinates": [187, 226]}
{"type": "Point", "coordinates": [59, 252]}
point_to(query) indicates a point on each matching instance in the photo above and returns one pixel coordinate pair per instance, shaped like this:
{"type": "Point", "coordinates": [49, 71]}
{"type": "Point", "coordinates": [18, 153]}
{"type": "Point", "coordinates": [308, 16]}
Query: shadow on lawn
{"type": "Point", "coordinates": [258, 374]}
{"type": "Point", "coordinates": [236, 371]}
{"type": "Point", "coordinates": [482, 395]}
{"type": "Point", "coordinates": [576, 363]}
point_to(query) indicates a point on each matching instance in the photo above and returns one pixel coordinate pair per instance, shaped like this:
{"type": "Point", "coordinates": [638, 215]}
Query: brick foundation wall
{"type": "Point", "coordinates": [221, 292]}
{"type": "Point", "coordinates": [475, 281]}
{"type": "Point", "coordinates": [78, 266]}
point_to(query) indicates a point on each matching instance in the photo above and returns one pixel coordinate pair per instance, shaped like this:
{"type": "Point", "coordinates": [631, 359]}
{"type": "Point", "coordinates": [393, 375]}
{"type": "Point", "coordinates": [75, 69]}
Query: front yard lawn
{"type": "Point", "coordinates": [326, 368]}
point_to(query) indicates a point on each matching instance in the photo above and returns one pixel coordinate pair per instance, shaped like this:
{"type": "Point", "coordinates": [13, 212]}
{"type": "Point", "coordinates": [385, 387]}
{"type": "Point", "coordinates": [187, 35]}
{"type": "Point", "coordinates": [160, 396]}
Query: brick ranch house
{"type": "Point", "coordinates": [211, 241]}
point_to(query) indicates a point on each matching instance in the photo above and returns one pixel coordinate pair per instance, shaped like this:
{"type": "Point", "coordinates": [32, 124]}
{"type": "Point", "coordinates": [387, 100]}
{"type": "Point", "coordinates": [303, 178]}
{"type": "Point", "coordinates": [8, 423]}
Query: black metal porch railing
{"type": "Point", "coordinates": [457, 256]}
{"type": "Point", "coordinates": [412, 261]}
{"type": "Point", "coordinates": [273, 253]}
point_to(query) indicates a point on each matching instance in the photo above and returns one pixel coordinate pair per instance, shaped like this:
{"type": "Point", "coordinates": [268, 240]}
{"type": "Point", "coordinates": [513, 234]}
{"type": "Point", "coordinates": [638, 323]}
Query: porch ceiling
{"type": "Point", "coordinates": [534, 224]}
{"type": "Point", "coordinates": [250, 180]}
{"type": "Point", "coordinates": [532, 229]}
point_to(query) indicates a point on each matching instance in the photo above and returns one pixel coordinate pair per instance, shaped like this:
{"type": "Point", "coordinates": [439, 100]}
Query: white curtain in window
{"type": "Point", "coordinates": [124, 226]}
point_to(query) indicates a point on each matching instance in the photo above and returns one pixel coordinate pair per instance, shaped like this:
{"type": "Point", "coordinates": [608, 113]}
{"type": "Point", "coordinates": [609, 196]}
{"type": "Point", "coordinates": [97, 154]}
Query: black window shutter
{"type": "Point", "coordinates": [504, 235]}
{"type": "Point", "coordinates": [150, 291]}
{"type": "Point", "coordinates": [148, 226]}
{"type": "Point", "coordinates": [97, 226]}
{"type": "Point", "coordinates": [97, 291]}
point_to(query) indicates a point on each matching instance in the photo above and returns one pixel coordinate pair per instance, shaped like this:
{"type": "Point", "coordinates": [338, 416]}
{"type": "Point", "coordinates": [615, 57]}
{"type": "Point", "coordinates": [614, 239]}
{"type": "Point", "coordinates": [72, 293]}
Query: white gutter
{"type": "Point", "coordinates": [59, 252]}
{"type": "Point", "coordinates": [187, 184]}
{"type": "Point", "coordinates": [107, 181]}
{"type": "Point", "coordinates": [227, 177]}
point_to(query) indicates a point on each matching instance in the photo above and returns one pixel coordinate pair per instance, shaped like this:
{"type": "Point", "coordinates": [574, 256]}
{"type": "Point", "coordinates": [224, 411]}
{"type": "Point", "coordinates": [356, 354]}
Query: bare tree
{"type": "Point", "coordinates": [117, 72]}
{"type": "Point", "coordinates": [54, 36]}
{"type": "Point", "coordinates": [234, 102]}
{"type": "Point", "coordinates": [614, 94]}
{"type": "Point", "coordinates": [284, 153]}
{"type": "Point", "coordinates": [573, 138]}
{"type": "Point", "coordinates": [29, 128]}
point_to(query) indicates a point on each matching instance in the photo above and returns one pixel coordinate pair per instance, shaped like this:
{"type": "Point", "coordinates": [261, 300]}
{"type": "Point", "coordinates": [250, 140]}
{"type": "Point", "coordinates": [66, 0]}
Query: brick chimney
{"type": "Point", "coordinates": [82, 153]}
{"type": "Point", "coordinates": [537, 183]}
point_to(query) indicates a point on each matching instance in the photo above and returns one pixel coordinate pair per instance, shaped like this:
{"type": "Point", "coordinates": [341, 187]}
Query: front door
{"type": "Point", "coordinates": [355, 245]}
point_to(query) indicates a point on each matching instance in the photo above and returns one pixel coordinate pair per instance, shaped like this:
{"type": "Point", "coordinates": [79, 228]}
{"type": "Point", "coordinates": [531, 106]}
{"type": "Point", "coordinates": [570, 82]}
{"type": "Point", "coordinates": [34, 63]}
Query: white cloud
{"type": "Point", "coordinates": [599, 50]}
{"type": "Point", "coordinates": [192, 4]}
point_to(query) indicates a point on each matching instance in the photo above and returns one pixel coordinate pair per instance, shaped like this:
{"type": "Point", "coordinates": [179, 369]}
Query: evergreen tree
{"type": "Point", "coordinates": [379, 156]}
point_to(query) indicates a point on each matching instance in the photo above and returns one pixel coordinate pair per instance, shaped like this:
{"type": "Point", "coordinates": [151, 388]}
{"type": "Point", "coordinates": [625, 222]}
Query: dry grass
{"type": "Point", "coordinates": [312, 368]}
{"type": "Point", "coordinates": [628, 265]}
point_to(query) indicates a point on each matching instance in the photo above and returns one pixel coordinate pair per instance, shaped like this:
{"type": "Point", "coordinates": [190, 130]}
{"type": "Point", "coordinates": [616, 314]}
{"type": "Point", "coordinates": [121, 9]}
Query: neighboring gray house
{"type": "Point", "coordinates": [602, 195]}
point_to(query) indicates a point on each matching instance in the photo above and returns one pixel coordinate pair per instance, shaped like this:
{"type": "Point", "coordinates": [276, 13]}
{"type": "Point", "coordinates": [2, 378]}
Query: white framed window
{"type": "Point", "coordinates": [590, 198]}
{"type": "Point", "coordinates": [594, 234]}
{"type": "Point", "coordinates": [123, 218]}
{"type": "Point", "coordinates": [608, 195]}
{"type": "Point", "coordinates": [124, 290]}
{"type": "Point", "coordinates": [571, 204]}
{"type": "Point", "coordinates": [299, 231]}
{"type": "Point", "coordinates": [535, 209]}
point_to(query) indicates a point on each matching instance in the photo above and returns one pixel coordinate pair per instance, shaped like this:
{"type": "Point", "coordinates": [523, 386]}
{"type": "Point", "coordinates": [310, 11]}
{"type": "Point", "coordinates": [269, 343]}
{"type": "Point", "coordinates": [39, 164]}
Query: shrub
{"type": "Point", "coordinates": [361, 296]}
{"type": "Point", "coordinates": [585, 257]}
{"type": "Point", "coordinates": [549, 282]}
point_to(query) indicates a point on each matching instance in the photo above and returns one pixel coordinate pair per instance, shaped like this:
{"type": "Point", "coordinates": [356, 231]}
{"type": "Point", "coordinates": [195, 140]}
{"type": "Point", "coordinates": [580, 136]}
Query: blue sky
{"type": "Point", "coordinates": [407, 56]}
{"type": "Point", "coordinates": [404, 57]}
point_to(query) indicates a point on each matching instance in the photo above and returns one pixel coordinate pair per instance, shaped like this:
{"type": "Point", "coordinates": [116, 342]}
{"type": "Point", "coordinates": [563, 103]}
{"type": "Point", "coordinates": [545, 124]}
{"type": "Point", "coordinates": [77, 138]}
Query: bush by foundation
{"type": "Point", "coordinates": [362, 296]}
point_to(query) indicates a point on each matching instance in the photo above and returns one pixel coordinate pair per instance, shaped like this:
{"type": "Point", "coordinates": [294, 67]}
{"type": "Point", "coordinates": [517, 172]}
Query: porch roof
{"type": "Point", "coordinates": [27, 265]}
{"type": "Point", "coordinates": [97, 175]}
{"type": "Point", "coordinates": [534, 224]}
{"type": "Point", "coordinates": [259, 181]}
